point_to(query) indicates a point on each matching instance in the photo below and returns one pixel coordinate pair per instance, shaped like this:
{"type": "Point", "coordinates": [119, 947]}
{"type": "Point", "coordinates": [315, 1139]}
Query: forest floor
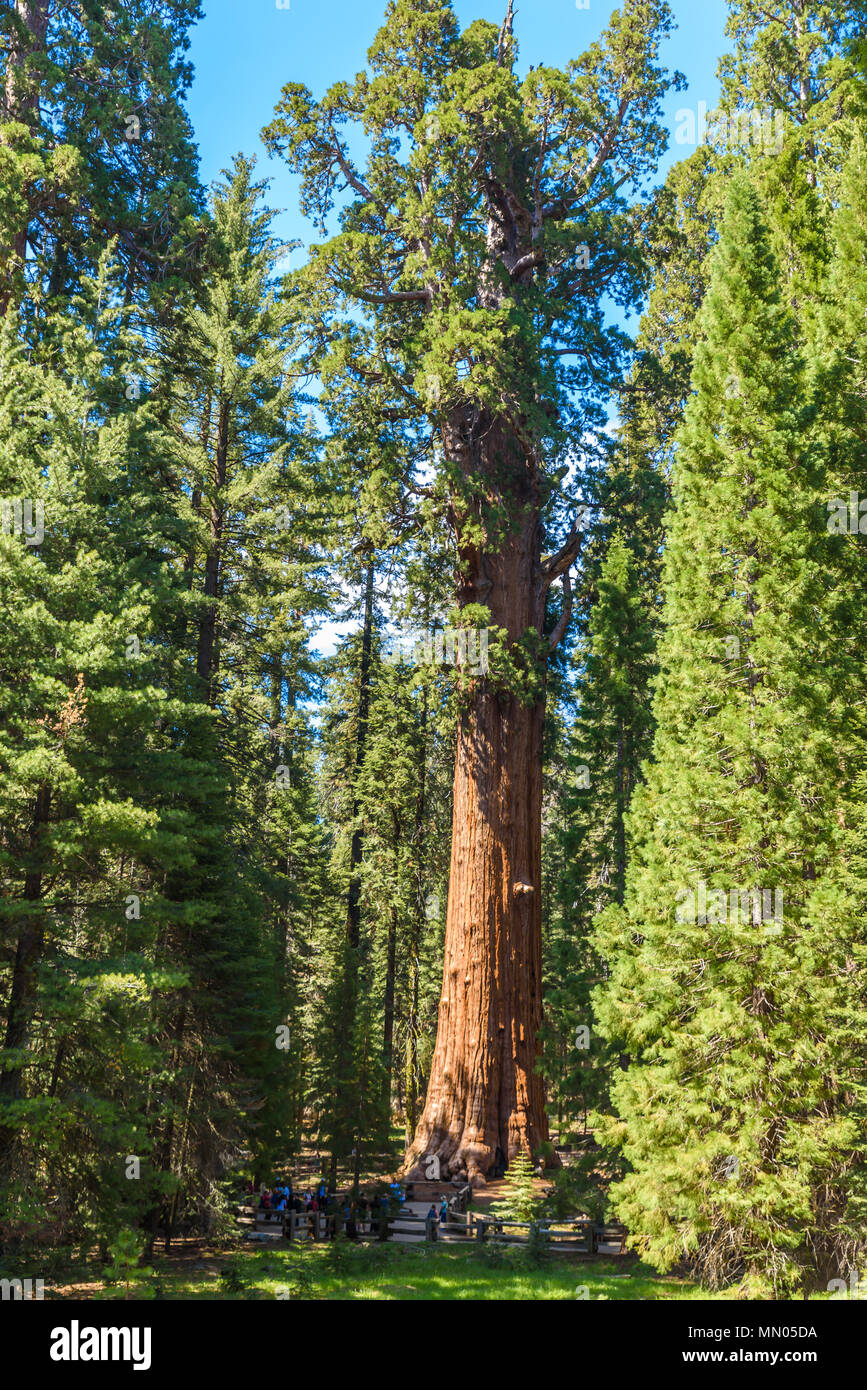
{"type": "Point", "coordinates": [376, 1273]}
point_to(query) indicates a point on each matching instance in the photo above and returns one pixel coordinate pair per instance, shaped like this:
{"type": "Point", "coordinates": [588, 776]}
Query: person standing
{"type": "Point", "coordinates": [383, 1216]}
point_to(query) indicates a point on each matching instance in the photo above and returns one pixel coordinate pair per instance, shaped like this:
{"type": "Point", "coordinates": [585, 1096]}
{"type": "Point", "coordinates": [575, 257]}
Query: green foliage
{"type": "Point", "coordinates": [126, 1277]}
{"type": "Point", "coordinates": [518, 1201]}
{"type": "Point", "coordinates": [94, 149]}
{"type": "Point", "coordinates": [299, 1283]}
{"type": "Point", "coordinates": [734, 1119]}
{"type": "Point", "coordinates": [224, 859]}
{"type": "Point", "coordinates": [601, 756]}
{"type": "Point", "coordinates": [236, 1278]}
{"type": "Point", "coordinates": [581, 1189]}
{"type": "Point", "coordinates": [537, 1252]}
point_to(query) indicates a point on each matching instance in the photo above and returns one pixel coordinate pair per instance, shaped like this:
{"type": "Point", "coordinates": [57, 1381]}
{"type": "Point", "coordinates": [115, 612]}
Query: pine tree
{"type": "Point", "coordinates": [225, 392]}
{"type": "Point", "coordinates": [730, 955]}
{"type": "Point", "coordinates": [607, 743]}
{"type": "Point", "coordinates": [796, 59]}
{"type": "Point", "coordinates": [93, 148]}
{"type": "Point", "coordinates": [89, 768]}
{"type": "Point", "coordinates": [518, 1201]}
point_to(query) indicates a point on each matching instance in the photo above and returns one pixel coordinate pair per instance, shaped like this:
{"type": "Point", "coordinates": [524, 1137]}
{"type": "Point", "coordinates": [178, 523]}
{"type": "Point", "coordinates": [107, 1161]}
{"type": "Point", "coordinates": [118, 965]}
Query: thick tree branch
{"type": "Point", "coordinates": [604, 150]}
{"type": "Point", "coordinates": [346, 169]}
{"type": "Point", "coordinates": [506, 33]}
{"type": "Point", "coordinates": [527, 262]}
{"type": "Point", "coordinates": [560, 208]}
{"type": "Point", "coordinates": [389, 296]}
{"type": "Point", "coordinates": [565, 617]}
{"type": "Point", "coordinates": [560, 562]}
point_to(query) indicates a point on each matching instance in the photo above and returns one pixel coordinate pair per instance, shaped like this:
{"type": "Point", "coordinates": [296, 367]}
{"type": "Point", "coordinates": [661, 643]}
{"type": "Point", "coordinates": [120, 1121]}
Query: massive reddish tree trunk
{"type": "Point", "coordinates": [485, 1099]}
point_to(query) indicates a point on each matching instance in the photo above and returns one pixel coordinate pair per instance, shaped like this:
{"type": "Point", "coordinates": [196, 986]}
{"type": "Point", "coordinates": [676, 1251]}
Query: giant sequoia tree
{"type": "Point", "coordinates": [462, 294]}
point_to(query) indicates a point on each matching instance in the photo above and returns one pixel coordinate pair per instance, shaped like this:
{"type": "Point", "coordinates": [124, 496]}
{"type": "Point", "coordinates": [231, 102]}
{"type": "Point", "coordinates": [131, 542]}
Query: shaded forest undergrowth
{"type": "Point", "coordinates": [200, 1270]}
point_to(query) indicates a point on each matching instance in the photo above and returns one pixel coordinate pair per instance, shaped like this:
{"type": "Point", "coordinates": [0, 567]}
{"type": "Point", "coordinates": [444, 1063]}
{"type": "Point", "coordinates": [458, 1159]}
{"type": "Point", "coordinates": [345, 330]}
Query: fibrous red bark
{"type": "Point", "coordinates": [485, 1098]}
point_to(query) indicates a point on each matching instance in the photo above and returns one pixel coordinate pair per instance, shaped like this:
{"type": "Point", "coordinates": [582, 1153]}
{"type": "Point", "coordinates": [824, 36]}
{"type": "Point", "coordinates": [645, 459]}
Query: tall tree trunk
{"type": "Point", "coordinates": [345, 1076]}
{"type": "Point", "coordinates": [485, 1099]}
{"type": "Point", "coordinates": [25, 969]}
{"type": "Point", "coordinates": [388, 1006]}
{"type": "Point", "coordinates": [410, 1062]}
{"type": "Point", "coordinates": [353, 909]}
{"type": "Point", "coordinates": [20, 103]}
{"type": "Point", "coordinates": [164, 1139]}
{"type": "Point", "coordinates": [21, 89]}
{"type": "Point", "coordinates": [420, 843]}
{"type": "Point", "coordinates": [207, 670]}
{"type": "Point", "coordinates": [206, 648]}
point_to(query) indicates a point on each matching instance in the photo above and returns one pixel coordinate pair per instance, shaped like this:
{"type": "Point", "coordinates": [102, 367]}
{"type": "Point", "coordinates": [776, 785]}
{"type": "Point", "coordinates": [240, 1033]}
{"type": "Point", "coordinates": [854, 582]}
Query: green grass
{"type": "Point", "coordinates": [415, 1274]}
{"type": "Point", "coordinates": [380, 1273]}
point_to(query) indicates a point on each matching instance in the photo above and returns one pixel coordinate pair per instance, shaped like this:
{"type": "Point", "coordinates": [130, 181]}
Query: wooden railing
{"type": "Point", "coordinates": [579, 1236]}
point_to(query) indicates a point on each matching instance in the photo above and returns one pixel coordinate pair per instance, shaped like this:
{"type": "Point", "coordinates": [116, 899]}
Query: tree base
{"type": "Point", "coordinates": [465, 1160]}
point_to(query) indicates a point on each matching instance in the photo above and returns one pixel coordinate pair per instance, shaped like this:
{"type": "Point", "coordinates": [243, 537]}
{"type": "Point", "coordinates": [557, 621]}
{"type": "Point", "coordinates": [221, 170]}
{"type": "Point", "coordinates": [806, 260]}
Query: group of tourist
{"type": "Point", "coordinates": [358, 1215]}
{"type": "Point", "coordinates": [436, 1218]}
{"type": "Point", "coordinates": [282, 1197]}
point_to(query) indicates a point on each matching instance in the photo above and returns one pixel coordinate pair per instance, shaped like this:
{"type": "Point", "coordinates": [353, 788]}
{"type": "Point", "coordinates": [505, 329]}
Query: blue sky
{"type": "Point", "coordinates": [244, 50]}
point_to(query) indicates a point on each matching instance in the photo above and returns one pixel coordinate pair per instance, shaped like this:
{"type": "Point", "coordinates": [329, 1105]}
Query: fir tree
{"type": "Point", "coordinates": [93, 148]}
{"type": "Point", "coordinates": [729, 958]}
{"type": "Point", "coordinates": [89, 766]}
{"type": "Point", "coordinates": [518, 1201]}
{"type": "Point", "coordinates": [607, 744]}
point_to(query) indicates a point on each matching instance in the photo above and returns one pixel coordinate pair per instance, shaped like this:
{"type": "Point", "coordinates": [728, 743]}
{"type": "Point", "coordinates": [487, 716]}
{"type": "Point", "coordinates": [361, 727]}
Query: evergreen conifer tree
{"type": "Point", "coordinates": [730, 955]}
